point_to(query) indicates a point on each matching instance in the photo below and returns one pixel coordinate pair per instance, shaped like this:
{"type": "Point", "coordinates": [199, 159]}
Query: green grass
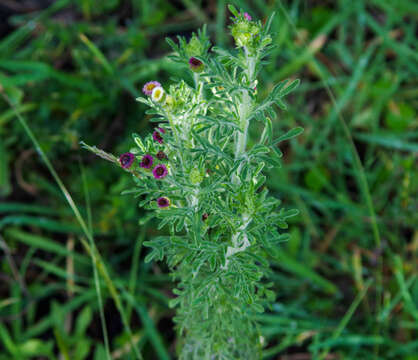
{"type": "Point", "coordinates": [346, 281]}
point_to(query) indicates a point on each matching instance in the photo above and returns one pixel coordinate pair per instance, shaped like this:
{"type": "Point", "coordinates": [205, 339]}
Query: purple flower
{"type": "Point", "coordinates": [149, 86]}
{"type": "Point", "coordinates": [126, 160]}
{"type": "Point", "coordinates": [163, 202]}
{"type": "Point", "coordinates": [147, 161]}
{"type": "Point", "coordinates": [247, 16]}
{"type": "Point", "coordinates": [156, 135]}
{"type": "Point", "coordinates": [160, 171]}
{"type": "Point", "coordinates": [161, 155]}
{"type": "Point", "coordinates": [196, 65]}
{"type": "Point", "coordinates": [205, 216]}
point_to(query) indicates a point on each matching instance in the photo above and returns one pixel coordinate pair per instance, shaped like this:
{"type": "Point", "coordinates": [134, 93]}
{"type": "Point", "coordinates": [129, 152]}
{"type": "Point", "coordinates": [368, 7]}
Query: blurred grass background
{"type": "Point", "coordinates": [346, 282]}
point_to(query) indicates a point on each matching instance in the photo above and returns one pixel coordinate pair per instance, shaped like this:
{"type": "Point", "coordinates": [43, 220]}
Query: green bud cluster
{"type": "Point", "coordinates": [248, 34]}
{"type": "Point", "coordinates": [196, 176]}
{"type": "Point", "coordinates": [194, 47]}
{"type": "Point", "coordinates": [245, 32]}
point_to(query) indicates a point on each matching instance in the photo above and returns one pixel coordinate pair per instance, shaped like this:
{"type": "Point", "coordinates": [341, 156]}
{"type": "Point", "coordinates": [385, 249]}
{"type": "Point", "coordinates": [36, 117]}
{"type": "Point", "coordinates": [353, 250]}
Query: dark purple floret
{"type": "Point", "coordinates": [196, 65]}
{"type": "Point", "coordinates": [156, 135]}
{"type": "Point", "coordinates": [161, 155]}
{"type": "Point", "coordinates": [160, 171]}
{"type": "Point", "coordinates": [205, 216]}
{"type": "Point", "coordinates": [163, 202]}
{"type": "Point", "coordinates": [126, 160]}
{"type": "Point", "coordinates": [147, 161]}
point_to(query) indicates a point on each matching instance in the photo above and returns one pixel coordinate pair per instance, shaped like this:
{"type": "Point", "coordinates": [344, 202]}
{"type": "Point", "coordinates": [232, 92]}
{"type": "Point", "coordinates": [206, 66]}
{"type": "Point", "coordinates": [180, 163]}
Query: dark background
{"type": "Point", "coordinates": [346, 281]}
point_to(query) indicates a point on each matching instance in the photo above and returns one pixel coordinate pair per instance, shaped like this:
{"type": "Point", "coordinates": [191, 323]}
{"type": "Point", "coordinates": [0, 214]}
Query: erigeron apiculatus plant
{"type": "Point", "coordinates": [198, 174]}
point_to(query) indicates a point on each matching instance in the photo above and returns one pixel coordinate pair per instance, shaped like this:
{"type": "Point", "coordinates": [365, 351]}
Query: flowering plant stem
{"type": "Point", "coordinates": [198, 176]}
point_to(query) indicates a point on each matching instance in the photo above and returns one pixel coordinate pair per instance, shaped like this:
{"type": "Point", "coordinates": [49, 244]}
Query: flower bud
{"type": "Point", "coordinates": [156, 135]}
{"type": "Point", "coordinates": [194, 47]}
{"type": "Point", "coordinates": [196, 65]}
{"type": "Point", "coordinates": [266, 41]}
{"type": "Point", "coordinates": [243, 39]}
{"type": "Point", "coordinates": [169, 101]}
{"type": "Point", "coordinates": [244, 31]}
{"type": "Point", "coordinates": [163, 202]}
{"type": "Point", "coordinates": [195, 176]}
{"type": "Point", "coordinates": [161, 155]}
{"type": "Point", "coordinates": [147, 161]}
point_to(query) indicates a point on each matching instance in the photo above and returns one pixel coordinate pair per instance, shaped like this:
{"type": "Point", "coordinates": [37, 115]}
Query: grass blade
{"type": "Point", "coordinates": [77, 214]}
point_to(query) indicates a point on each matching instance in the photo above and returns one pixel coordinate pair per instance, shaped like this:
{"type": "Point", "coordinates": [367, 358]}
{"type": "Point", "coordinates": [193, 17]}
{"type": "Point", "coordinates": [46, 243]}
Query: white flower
{"type": "Point", "coordinates": [157, 94]}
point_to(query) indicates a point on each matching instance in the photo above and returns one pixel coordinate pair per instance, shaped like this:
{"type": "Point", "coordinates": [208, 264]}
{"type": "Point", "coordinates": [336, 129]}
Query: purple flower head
{"type": "Point", "coordinates": [163, 202]}
{"type": "Point", "coordinates": [161, 155]}
{"type": "Point", "coordinates": [147, 161]}
{"type": "Point", "coordinates": [196, 65]}
{"type": "Point", "coordinates": [205, 216]}
{"type": "Point", "coordinates": [247, 16]}
{"type": "Point", "coordinates": [149, 86]}
{"type": "Point", "coordinates": [160, 171]}
{"type": "Point", "coordinates": [156, 135]}
{"type": "Point", "coordinates": [126, 160]}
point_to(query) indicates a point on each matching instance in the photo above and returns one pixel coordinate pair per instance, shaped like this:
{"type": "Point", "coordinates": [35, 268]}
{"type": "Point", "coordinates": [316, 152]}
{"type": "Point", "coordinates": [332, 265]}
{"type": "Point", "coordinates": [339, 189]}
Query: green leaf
{"type": "Point", "coordinates": [289, 213]}
{"type": "Point", "coordinates": [267, 134]}
{"type": "Point", "coordinates": [304, 272]}
{"type": "Point", "coordinates": [36, 348]}
{"type": "Point", "coordinates": [400, 116]}
{"type": "Point", "coordinates": [7, 341]}
{"type": "Point", "coordinates": [46, 244]}
{"type": "Point", "coordinates": [289, 135]}
{"type": "Point", "coordinates": [288, 89]}
{"type": "Point", "coordinates": [101, 58]}
{"type": "Point", "coordinates": [5, 183]}
{"type": "Point", "coordinates": [316, 178]}
{"type": "Point", "coordinates": [233, 10]}
{"type": "Point", "coordinates": [172, 44]}
{"type": "Point", "coordinates": [83, 321]}
{"type": "Point", "coordinates": [390, 140]}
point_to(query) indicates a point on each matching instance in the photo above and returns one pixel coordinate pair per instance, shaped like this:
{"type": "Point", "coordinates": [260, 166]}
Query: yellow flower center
{"type": "Point", "coordinates": [150, 87]}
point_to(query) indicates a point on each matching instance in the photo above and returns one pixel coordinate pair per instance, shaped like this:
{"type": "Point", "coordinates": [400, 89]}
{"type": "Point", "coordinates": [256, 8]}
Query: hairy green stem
{"type": "Point", "coordinates": [245, 107]}
{"type": "Point", "coordinates": [241, 143]}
